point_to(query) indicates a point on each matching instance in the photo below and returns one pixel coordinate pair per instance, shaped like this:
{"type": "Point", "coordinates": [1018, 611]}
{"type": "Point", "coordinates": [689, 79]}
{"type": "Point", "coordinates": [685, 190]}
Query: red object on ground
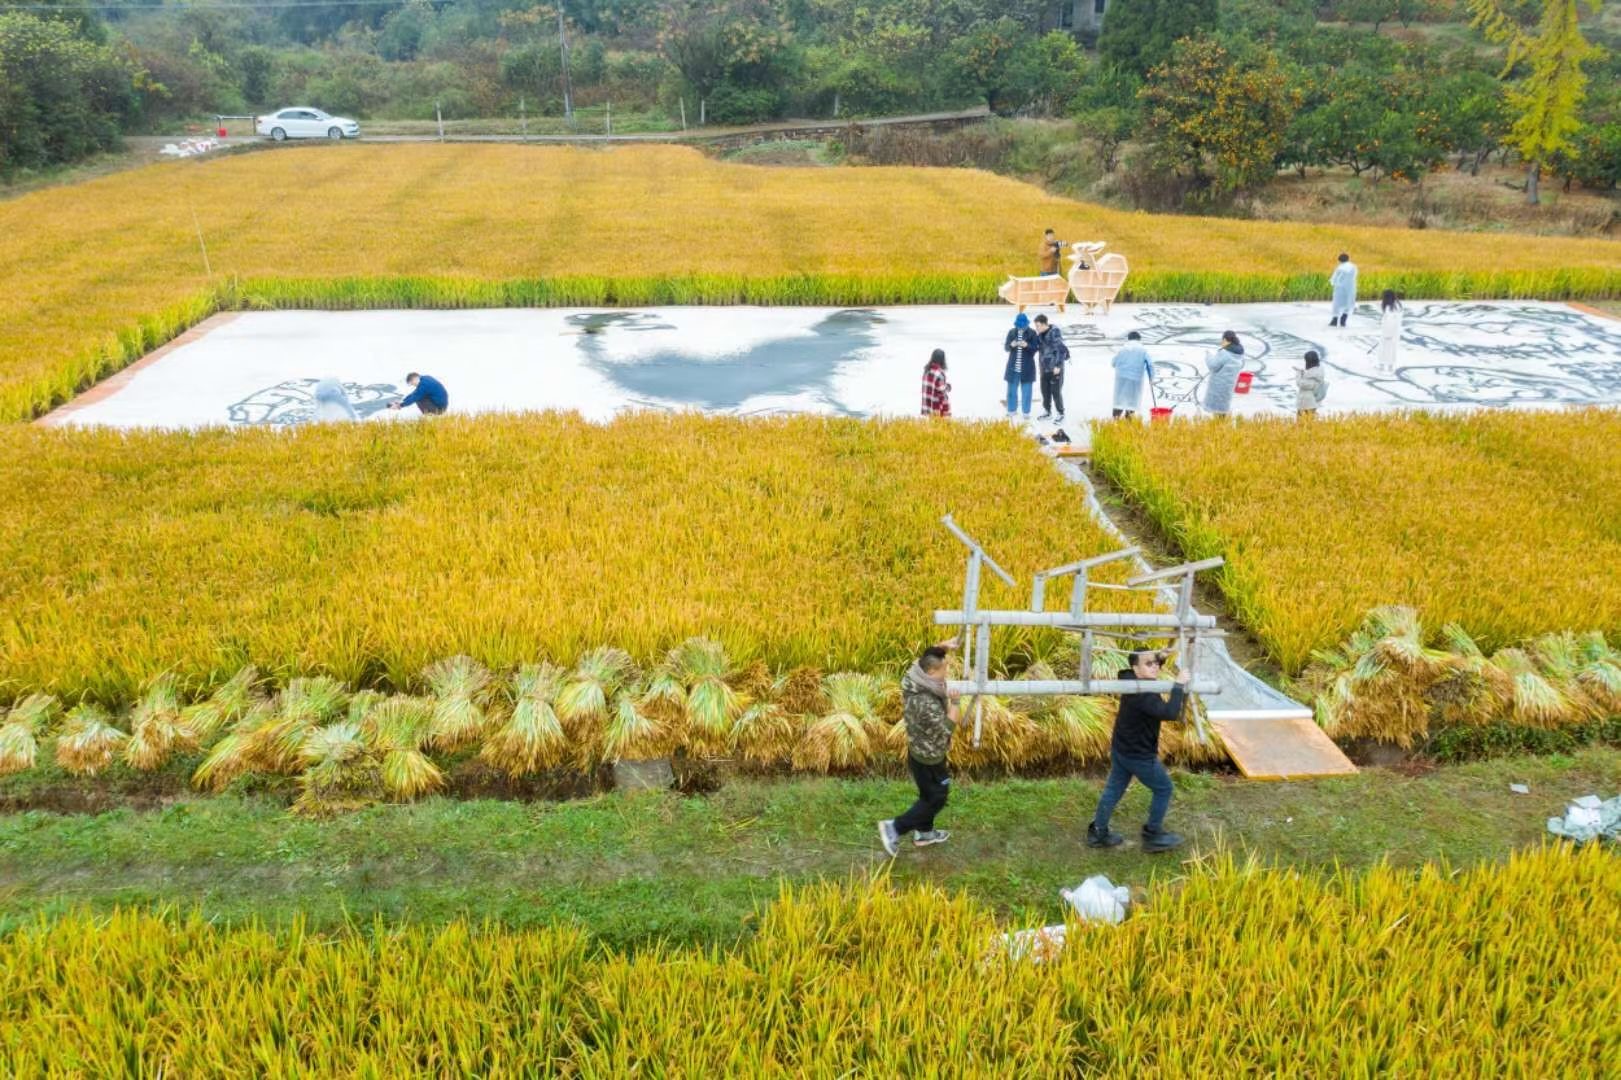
{"type": "Point", "coordinates": [1158, 415]}
{"type": "Point", "coordinates": [221, 131]}
{"type": "Point", "coordinates": [1244, 380]}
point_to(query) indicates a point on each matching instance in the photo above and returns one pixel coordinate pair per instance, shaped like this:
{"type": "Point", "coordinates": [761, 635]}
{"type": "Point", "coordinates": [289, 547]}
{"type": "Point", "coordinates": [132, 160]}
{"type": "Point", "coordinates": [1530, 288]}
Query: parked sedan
{"type": "Point", "coordinates": [305, 123]}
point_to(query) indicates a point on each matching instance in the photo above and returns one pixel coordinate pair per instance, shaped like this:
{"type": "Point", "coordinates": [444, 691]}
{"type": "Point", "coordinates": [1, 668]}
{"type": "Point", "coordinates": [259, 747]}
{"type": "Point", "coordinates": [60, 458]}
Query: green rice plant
{"type": "Point", "coordinates": [156, 730]}
{"type": "Point", "coordinates": [532, 738]}
{"type": "Point", "coordinates": [458, 685]}
{"type": "Point", "coordinates": [87, 741]}
{"type": "Point", "coordinates": [398, 728]}
{"type": "Point", "coordinates": [19, 734]}
{"type": "Point", "coordinates": [204, 720]}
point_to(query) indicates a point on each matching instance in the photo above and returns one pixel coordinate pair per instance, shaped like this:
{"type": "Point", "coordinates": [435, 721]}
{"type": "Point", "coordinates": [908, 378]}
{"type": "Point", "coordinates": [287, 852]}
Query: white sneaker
{"type": "Point", "coordinates": [889, 837]}
{"type": "Point", "coordinates": [933, 836]}
{"type": "Point", "coordinates": [1059, 419]}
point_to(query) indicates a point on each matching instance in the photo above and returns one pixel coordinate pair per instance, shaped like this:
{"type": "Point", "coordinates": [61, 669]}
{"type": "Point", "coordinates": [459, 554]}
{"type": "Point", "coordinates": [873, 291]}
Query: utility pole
{"type": "Point", "coordinates": [568, 89]}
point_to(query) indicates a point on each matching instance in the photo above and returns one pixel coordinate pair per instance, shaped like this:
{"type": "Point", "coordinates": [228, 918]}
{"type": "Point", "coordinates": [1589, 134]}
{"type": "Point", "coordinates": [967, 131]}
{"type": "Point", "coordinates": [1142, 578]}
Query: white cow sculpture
{"type": "Point", "coordinates": [1095, 277]}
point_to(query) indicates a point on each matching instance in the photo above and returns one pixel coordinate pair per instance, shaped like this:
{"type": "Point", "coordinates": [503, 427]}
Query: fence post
{"type": "Point", "coordinates": [523, 118]}
{"type": "Point", "coordinates": [440, 118]}
{"type": "Point", "coordinates": [683, 114]}
{"type": "Point", "coordinates": [703, 109]}
{"type": "Point", "coordinates": [610, 117]}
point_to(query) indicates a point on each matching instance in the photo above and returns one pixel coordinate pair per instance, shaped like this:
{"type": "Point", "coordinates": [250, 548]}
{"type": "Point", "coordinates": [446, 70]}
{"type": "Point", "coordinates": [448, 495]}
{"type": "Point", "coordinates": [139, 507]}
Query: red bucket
{"type": "Point", "coordinates": [220, 131]}
{"type": "Point", "coordinates": [1158, 415]}
{"type": "Point", "coordinates": [1244, 380]}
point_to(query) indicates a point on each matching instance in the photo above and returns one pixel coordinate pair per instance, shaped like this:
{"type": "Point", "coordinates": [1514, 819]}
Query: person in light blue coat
{"type": "Point", "coordinates": [1130, 365]}
{"type": "Point", "coordinates": [1343, 281]}
{"type": "Point", "coordinates": [1225, 363]}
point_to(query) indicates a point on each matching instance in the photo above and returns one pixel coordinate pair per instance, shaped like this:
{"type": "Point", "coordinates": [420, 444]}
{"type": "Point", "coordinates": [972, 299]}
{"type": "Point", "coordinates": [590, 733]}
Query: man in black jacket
{"type": "Point", "coordinates": [1134, 752]}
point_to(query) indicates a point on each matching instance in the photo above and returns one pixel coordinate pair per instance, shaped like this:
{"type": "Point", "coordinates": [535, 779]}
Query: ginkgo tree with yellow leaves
{"type": "Point", "coordinates": [1546, 100]}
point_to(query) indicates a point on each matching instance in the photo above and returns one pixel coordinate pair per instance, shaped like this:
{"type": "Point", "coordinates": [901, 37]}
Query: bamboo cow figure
{"type": "Point", "coordinates": [1096, 277]}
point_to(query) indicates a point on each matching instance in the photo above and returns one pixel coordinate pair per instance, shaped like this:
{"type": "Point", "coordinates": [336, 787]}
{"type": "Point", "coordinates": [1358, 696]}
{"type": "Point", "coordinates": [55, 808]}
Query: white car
{"type": "Point", "coordinates": [305, 123]}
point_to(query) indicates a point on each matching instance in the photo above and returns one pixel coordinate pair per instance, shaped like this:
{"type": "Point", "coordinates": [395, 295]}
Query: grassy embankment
{"type": "Point", "coordinates": [99, 273]}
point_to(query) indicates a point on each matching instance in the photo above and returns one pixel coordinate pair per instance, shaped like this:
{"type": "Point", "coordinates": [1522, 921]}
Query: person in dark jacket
{"type": "Point", "coordinates": [1054, 355]}
{"type": "Point", "coordinates": [1134, 753]}
{"type": "Point", "coordinates": [427, 393]}
{"type": "Point", "coordinates": [930, 712]}
{"type": "Point", "coordinates": [1020, 372]}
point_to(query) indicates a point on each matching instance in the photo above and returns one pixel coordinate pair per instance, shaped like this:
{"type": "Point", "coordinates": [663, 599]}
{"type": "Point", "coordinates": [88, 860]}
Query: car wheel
{"type": "Point", "coordinates": [278, 134]}
{"type": "Point", "coordinates": [335, 134]}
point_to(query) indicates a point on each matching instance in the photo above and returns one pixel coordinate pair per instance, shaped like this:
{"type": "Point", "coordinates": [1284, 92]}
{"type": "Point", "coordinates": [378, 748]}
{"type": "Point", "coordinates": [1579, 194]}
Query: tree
{"type": "Point", "coordinates": [1546, 103]}
{"type": "Point", "coordinates": [1217, 119]}
{"type": "Point", "coordinates": [1138, 34]}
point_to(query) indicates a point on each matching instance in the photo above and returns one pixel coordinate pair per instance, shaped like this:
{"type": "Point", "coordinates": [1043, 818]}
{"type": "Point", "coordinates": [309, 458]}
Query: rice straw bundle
{"type": "Point", "coordinates": [1077, 728]}
{"type": "Point", "coordinates": [19, 735]}
{"type": "Point", "coordinates": [700, 666]}
{"type": "Point", "coordinates": [846, 737]}
{"type": "Point", "coordinates": [88, 740]}
{"type": "Point", "coordinates": [340, 771]}
{"type": "Point", "coordinates": [155, 727]}
{"type": "Point", "coordinates": [631, 732]}
{"type": "Point", "coordinates": [398, 728]}
{"type": "Point", "coordinates": [765, 733]}
{"type": "Point", "coordinates": [532, 738]}
{"type": "Point", "coordinates": [458, 685]}
{"type": "Point", "coordinates": [1007, 738]}
{"type": "Point", "coordinates": [235, 754]}
{"type": "Point", "coordinates": [1599, 676]}
{"type": "Point", "coordinates": [225, 706]}
{"type": "Point", "coordinates": [1537, 701]}
{"type": "Point", "coordinates": [304, 705]}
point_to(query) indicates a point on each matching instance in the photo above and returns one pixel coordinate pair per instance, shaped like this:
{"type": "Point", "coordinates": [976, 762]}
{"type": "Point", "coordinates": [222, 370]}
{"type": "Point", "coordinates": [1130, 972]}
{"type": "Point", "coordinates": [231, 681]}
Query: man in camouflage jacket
{"type": "Point", "coordinates": [931, 716]}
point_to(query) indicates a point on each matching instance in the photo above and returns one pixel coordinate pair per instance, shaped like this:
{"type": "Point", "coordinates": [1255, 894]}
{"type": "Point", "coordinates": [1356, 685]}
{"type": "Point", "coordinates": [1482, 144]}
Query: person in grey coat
{"type": "Point", "coordinates": [1311, 386]}
{"type": "Point", "coordinates": [1224, 364]}
{"type": "Point", "coordinates": [1130, 365]}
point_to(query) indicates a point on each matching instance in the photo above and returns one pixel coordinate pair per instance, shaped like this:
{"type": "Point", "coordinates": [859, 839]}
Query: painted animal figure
{"type": "Point", "coordinates": [1096, 277]}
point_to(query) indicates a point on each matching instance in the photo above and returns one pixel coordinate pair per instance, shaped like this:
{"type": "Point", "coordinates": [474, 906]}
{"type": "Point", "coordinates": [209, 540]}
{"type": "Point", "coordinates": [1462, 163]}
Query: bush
{"type": "Point", "coordinates": [730, 104]}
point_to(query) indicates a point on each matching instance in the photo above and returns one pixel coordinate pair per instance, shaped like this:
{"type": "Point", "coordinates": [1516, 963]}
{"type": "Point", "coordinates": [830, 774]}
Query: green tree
{"type": "Point", "coordinates": [1138, 34]}
{"type": "Point", "coordinates": [1546, 102]}
{"type": "Point", "coordinates": [1216, 118]}
{"type": "Point", "coordinates": [62, 96]}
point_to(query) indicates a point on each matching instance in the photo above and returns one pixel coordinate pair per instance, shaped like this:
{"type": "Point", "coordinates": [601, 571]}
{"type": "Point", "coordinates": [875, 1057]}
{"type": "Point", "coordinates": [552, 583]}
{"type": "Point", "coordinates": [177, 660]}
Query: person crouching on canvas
{"type": "Point", "coordinates": [427, 393]}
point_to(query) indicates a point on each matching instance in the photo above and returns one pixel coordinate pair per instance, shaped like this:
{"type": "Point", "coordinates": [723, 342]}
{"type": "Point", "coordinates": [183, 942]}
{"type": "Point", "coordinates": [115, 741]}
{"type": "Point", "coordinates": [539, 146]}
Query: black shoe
{"type": "Point", "coordinates": [1045, 416]}
{"type": "Point", "coordinates": [1157, 840]}
{"type": "Point", "coordinates": [1102, 839]}
{"type": "Point", "coordinates": [1060, 436]}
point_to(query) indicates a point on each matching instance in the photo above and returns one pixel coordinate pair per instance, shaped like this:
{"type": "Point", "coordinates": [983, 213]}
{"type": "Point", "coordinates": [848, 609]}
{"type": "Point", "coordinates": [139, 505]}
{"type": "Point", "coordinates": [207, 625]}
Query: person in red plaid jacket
{"type": "Point", "coordinates": [936, 391]}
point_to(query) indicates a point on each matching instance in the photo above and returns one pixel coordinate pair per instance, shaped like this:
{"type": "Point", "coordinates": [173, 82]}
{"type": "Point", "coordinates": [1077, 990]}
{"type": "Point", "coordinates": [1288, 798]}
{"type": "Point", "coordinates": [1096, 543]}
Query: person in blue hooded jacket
{"type": "Point", "coordinates": [427, 393]}
{"type": "Point", "coordinates": [1224, 364]}
{"type": "Point", "coordinates": [1020, 373]}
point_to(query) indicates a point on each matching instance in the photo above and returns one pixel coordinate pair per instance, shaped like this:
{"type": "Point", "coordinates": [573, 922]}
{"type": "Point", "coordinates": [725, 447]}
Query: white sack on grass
{"type": "Point", "coordinates": [1097, 899]}
{"type": "Point", "coordinates": [1587, 819]}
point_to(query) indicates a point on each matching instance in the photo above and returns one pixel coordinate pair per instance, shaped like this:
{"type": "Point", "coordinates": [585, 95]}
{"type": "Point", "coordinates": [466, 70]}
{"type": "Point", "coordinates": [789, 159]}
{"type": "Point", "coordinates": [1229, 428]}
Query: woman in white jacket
{"type": "Point", "coordinates": [1389, 329]}
{"type": "Point", "coordinates": [1311, 386]}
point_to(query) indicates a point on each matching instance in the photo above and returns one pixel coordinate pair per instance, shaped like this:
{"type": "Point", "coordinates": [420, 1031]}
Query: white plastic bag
{"type": "Point", "coordinates": [1097, 899]}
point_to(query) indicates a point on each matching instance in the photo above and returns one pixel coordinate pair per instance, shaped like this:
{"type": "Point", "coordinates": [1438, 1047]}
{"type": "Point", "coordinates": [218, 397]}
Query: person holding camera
{"type": "Point", "coordinates": [1051, 249]}
{"type": "Point", "coordinates": [1134, 754]}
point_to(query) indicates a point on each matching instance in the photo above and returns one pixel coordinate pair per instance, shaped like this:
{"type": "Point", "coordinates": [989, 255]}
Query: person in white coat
{"type": "Point", "coordinates": [1389, 329]}
{"type": "Point", "coordinates": [1130, 365]}
{"type": "Point", "coordinates": [1224, 364]}
{"type": "Point", "coordinates": [1343, 282]}
{"type": "Point", "coordinates": [331, 403]}
{"type": "Point", "coordinates": [1311, 386]}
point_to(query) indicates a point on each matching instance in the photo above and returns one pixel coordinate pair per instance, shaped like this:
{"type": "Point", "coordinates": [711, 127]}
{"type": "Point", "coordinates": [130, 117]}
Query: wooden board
{"type": "Point", "coordinates": [1280, 748]}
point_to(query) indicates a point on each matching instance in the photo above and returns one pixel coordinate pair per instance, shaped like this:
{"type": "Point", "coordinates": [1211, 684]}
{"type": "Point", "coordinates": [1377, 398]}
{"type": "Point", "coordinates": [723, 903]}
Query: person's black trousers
{"type": "Point", "coordinates": [933, 786]}
{"type": "Point", "coordinates": [1052, 392]}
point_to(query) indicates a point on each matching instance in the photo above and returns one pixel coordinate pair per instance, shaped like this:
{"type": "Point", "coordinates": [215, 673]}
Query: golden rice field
{"type": "Point", "coordinates": [1502, 969]}
{"type": "Point", "coordinates": [94, 274]}
{"type": "Point", "coordinates": [366, 553]}
{"type": "Point", "coordinates": [1507, 524]}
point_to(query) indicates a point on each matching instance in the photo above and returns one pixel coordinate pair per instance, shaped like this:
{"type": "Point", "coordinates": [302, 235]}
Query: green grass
{"type": "Point", "coordinates": [631, 869]}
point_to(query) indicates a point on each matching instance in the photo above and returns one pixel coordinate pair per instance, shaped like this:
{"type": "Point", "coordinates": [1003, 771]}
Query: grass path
{"type": "Point", "coordinates": [695, 869]}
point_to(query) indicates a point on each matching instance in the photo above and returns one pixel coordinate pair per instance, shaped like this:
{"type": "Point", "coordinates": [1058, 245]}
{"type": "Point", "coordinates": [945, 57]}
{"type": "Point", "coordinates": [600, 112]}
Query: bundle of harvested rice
{"type": "Point", "coordinates": [398, 727]}
{"type": "Point", "coordinates": [532, 738]}
{"type": "Point", "coordinates": [458, 686]}
{"type": "Point", "coordinates": [88, 740]}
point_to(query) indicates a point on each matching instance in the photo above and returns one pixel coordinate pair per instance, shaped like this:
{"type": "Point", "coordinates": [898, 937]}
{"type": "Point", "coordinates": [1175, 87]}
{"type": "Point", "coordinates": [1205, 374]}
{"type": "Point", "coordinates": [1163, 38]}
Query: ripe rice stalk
{"type": "Point", "coordinates": [224, 707]}
{"type": "Point", "coordinates": [236, 754]}
{"type": "Point", "coordinates": [1537, 702]}
{"type": "Point", "coordinates": [1008, 739]}
{"type": "Point", "coordinates": [1078, 728]}
{"type": "Point", "coordinates": [800, 692]}
{"type": "Point", "coordinates": [532, 738]}
{"type": "Point", "coordinates": [156, 730]}
{"type": "Point", "coordinates": [88, 741]}
{"type": "Point", "coordinates": [458, 686]}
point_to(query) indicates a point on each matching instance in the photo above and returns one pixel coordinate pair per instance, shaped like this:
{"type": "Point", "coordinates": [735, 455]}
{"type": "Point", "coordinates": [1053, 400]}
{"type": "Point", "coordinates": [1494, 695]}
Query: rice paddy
{"type": "Point", "coordinates": [1504, 967]}
{"type": "Point", "coordinates": [1503, 523]}
{"type": "Point", "coordinates": [364, 553]}
{"type": "Point", "coordinates": [98, 273]}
